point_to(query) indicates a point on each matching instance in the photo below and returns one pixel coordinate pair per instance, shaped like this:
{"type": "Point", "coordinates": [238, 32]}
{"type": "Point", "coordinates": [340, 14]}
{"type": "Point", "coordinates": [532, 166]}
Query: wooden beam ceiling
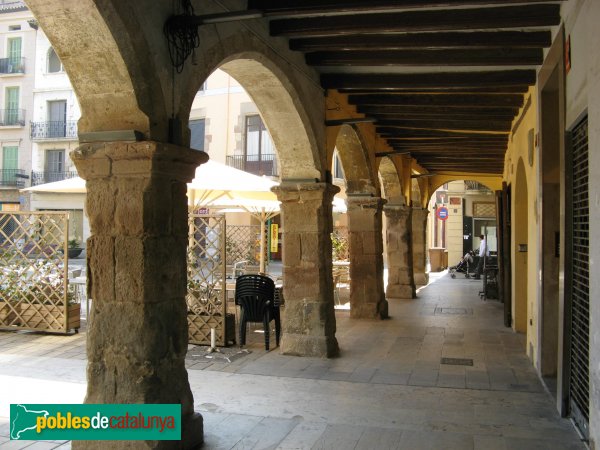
{"type": "Point", "coordinates": [441, 79]}
{"type": "Point", "coordinates": [431, 20]}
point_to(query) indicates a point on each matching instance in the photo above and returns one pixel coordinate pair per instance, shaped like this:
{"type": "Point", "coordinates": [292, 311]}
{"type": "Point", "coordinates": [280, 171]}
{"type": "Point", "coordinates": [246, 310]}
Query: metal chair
{"type": "Point", "coordinates": [255, 295]}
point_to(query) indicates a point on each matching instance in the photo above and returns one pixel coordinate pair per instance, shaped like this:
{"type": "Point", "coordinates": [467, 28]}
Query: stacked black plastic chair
{"type": "Point", "coordinates": [255, 294]}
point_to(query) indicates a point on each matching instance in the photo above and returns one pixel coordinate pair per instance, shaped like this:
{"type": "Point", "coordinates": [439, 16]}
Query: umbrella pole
{"type": "Point", "coordinates": [263, 237]}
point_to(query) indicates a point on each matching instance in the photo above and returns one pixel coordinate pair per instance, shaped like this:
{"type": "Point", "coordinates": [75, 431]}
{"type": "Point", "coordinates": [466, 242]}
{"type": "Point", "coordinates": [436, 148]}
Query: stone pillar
{"type": "Point", "coordinates": [308, 324]}
{"type": "Point", "coordinates": [401, 283]}
{"type": "Point", "coordinates": [419, 247]}
{"type": "Point", "coordinates": [137, 337]}
{"type": "Point", "coordinates": [367, 296]}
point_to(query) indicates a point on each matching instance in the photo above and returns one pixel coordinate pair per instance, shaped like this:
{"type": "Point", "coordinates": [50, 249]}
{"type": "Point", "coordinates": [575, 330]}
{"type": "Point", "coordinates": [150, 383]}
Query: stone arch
{"type": "Point", "coordinates": [356, 163]}
{"type": "Point", "coordinates": [520, 254]}
{"type": "Point", "coordinates": [284, 96]}
{"type": "Point", "coordinates": [493, 183]}
{"type": "Point", "coordinates": [114, 70]}
{"type": "Point", "coordinates": [389, 180]}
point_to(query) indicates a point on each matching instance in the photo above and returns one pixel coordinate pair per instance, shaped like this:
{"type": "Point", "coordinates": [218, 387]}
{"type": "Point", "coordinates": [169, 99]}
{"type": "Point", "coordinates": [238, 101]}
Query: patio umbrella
{"type": "Point", "coordinates": [215, 185]}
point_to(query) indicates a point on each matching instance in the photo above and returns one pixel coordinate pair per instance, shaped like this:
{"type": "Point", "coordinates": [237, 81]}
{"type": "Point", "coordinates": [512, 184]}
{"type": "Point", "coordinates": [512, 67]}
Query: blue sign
{"type": "Point", "coordinates": [442, 213]}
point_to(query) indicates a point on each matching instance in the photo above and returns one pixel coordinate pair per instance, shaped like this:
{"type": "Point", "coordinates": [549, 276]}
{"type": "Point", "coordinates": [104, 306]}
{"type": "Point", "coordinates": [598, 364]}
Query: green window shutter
{"type": "Point", "coordinates": [12, 106]}
{"type": "Point", "coordinates": [14, 50]}
{"type": "Point", "coordinates": [10, 158]}
{"type": "Point", "coordinates": [10, 164]}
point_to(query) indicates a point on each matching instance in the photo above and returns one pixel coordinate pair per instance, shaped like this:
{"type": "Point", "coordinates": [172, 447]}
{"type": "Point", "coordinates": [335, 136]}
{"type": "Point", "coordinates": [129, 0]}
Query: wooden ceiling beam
{"type": "Point", "coordinates": [441, 124]}
{"type": "Point", "coordinates": [401, 132]}
{"type": "Point", "coordinates": [433, 116]}
{"type": "Point", "coordinates": [428, 20]}
{"type": "Point", "coordinates": [435, 100]}
{"type": "Point", "coordinates": [474, 39]}
{"type": "Point", "coordinates": [438, 90]}
{"type": "Point", "coordinates": [384, 110]}
{"type": "Point", "coordinates": [303, 7]}
{"type": "Point", "coordinates": [430, 80]}
{"type": "Point", "coordinates": [447, 57]}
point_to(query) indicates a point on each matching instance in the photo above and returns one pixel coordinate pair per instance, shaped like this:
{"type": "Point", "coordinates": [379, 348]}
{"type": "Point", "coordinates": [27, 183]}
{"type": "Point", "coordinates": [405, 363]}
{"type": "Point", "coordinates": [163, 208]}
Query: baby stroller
{"type": "Point", "coordinates": [463, 265]}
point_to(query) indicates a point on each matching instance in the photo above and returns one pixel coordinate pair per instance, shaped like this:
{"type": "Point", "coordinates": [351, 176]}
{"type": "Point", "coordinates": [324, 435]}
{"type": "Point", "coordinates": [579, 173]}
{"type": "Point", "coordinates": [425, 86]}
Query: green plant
{"type": "Point", "coordinates": [339, 246]}
{"type": "Point", "coordinates": [74, 243]}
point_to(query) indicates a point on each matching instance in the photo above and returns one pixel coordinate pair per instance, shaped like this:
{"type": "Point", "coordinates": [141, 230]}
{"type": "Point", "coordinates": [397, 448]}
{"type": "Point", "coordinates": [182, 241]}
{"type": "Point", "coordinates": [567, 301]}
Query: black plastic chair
{"type": "Point", "coordinates": [255, 294]}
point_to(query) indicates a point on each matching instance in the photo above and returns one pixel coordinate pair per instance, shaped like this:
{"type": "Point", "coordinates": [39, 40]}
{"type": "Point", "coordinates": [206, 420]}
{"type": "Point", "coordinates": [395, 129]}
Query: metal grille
{"type": "Point", "coordinates": [580, 314]}
{"type": "Point", "coordinates": [34, 289]}
{"type": "Point", "coordinates": [484, 209]}
{"type": "Point", "coordinates": [243, 244]}
{"type": "Point", "coordinates": [206, 288]}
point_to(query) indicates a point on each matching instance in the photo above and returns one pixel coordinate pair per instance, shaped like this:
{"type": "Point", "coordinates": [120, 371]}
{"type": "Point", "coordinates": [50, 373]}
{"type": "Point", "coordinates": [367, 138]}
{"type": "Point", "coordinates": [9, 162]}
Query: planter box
{"type": "Point", "coordinates": [7, 315]}
{"type": "Point", "coordinates": [50, 317]}
{"type": "Point", "coordinates": [199, 326]}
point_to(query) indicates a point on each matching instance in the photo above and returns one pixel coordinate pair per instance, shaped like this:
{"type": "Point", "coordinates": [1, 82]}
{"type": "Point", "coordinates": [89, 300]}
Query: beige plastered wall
{"type": "Point", "coordinates": [518, 148]}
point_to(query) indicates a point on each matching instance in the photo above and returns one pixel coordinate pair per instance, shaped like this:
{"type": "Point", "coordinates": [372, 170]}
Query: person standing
{"type": "Point", "coordinates": [483, 252]}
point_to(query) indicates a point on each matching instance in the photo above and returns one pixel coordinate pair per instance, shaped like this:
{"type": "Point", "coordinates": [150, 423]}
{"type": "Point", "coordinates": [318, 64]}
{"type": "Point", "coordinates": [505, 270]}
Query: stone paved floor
{"type": "Point", "coordinates": [388, 390]}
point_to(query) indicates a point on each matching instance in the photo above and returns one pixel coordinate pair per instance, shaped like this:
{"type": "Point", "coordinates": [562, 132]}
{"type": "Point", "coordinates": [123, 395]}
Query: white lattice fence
{"type": "Point", "coordinates": [34, 290]}
{"type": "Point", "coordinates": [206, 293]}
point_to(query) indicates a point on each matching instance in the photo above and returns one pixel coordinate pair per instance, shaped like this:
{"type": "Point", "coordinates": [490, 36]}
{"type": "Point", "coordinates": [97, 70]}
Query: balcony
{"type": "Point", "coordinates": [475, 186]}
{"type": "Point", "coordinates": [58, 129]}
{"type": "Point", "coordinates": [12, 178]}
{"type": "Point", "coordinates": [12, 65]}
{"type": "Point", "coordinates": [255, 164]}
{"type": "Point", "coordinates": [12, 117]}
{"type": "Point", "coordinates": [49, 177]}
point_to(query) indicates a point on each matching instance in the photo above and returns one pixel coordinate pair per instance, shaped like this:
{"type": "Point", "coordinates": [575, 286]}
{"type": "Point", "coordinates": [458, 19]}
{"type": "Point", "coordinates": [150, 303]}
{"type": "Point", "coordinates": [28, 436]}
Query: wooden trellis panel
{"type": "Point", "coordinates": [242, 244]}
{"type": "Point", "coordinates": [206, 293]}
{"type": "Point", "coordinates": [34, 290]}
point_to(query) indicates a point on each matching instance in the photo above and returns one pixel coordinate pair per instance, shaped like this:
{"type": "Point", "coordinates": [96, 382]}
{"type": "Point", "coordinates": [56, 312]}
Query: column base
{"type": "Point", "coordinates": [315, 346]}
{"type": "Point", "coordinates": [192, 438]}
{"type": "Point", "coordinates": [421, 279]}
{"type": "Point", "coordinates": [369, 310]}
{"type": "Point", "coordinates": [192, 433]}
{"type": "Point", "coordinates": [400, 291]}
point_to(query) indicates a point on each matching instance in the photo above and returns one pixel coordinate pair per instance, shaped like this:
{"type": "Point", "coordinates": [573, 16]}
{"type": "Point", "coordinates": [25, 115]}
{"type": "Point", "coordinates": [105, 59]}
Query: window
{"type": "Point", "coordinates": [10, 164]}
{"type": "Point", "coordinates": [197, 128]}
{"type": "Point", "coordinates": [57, 118]}
{"type": "Point", "coordinates": [258, 140]}
{"type": "Point", "coordinates": [54, 64]}
{"type": "Point", "coordinates": [12, 106]}
{"type": "Point", "coordinates": [55, 165]}
{"type": "Point", "coordinates": [14, 50]}
{"type": "Point", "coordinates": [338, 171]}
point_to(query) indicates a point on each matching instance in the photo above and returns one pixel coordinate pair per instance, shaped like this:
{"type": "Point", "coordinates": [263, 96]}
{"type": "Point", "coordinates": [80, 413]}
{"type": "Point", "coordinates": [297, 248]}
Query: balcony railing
{"type": "Point", "coordinates": [255, 164]}
{"type": "Point", "coordinates": [475, 186]}
{"type": "Point", "coordinates": [49, 177]}
{"type": "Point", "coordinates": [12, 177]}
{"type": "Point", "coordinates": [54, 130]}
{"type": "Point", "coordinates": [12, 65]}
{"type": "Point", "coordinates": [12, 117]}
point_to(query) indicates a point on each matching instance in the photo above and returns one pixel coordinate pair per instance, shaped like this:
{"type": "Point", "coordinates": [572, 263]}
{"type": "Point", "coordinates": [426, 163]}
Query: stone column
{"type": "Point", "coordinates": [367, 296]}
{"type": "Point", "coordinates": [401, 283]}
{"type": "Point", "coordinates": [137, 337]}
{"type": "Point", "coordinates": [419, 248]}
{"type": "Point", "coordinates": [308, 324]}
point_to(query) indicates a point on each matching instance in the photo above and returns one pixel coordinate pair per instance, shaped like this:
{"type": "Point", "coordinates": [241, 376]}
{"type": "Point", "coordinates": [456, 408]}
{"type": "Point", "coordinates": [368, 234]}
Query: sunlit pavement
{"type": "Point", "coordinates": [389, 388]}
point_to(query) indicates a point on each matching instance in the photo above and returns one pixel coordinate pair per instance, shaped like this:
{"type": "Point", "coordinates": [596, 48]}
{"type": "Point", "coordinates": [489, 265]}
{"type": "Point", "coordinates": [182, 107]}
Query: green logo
{"type": "Point", "coordinates": [95, 422]}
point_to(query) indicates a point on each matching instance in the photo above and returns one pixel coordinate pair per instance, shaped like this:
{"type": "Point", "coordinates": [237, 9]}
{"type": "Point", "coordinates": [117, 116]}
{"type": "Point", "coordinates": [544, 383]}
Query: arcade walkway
{"type": "Point", "coordinates": [387, 391]}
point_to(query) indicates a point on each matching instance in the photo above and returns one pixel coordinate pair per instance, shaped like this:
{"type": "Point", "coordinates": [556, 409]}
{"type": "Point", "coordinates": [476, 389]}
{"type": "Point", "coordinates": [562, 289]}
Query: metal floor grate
{"type": "Point", "coordinates": [457, 361]}
{"type": "Point", "coordinates": [453, 311]}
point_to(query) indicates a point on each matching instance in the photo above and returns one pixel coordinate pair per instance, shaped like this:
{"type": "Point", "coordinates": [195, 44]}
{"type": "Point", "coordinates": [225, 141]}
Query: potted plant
{"type": "Point", "coordinates": [74, 248]}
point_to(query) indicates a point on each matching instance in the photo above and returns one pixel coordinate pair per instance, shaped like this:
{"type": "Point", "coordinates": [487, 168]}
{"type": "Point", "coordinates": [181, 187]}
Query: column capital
{"type": "Point", "coordinates": [397, 210]}
{"type": "Point", "coordinates": [365, 202]}
{"type": "Point", "coordinates": [290, 190]}
{"type": "Point", "coordinates": [137, 159]}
